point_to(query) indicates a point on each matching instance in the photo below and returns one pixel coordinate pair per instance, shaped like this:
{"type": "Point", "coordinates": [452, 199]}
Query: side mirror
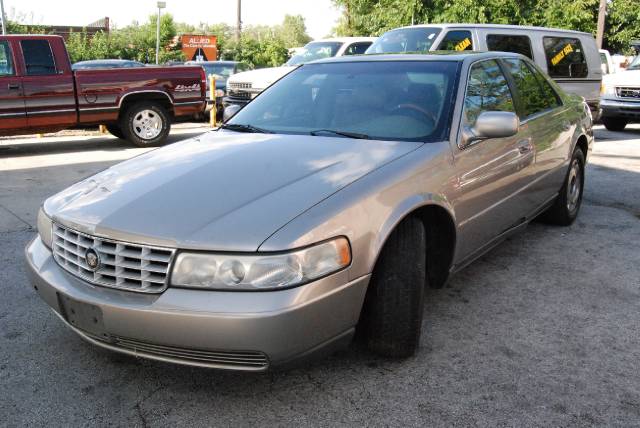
{"type": "Point", "coordinates": [230, 111]}
{"type": "Point", "coordinates": [491, 124]}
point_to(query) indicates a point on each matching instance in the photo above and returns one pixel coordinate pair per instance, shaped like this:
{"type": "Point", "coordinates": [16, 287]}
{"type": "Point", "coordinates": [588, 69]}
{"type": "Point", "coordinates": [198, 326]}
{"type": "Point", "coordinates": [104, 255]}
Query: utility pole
{"type": "Point", "coordinates": [4, 18]}
{"type": "Point", "coordinates": [602, 13]}
{"type": "Point", "coordinates": [239, 21]}
{"type": "Point", "coordinates": [161, 5]}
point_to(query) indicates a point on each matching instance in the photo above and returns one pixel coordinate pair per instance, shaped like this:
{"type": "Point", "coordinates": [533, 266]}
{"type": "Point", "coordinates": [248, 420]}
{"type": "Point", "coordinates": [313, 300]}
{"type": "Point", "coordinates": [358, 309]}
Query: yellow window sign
{"type": "Point", "coordinates": [560, 55]}
{"type": "Point", "coordinates": [463, 44]}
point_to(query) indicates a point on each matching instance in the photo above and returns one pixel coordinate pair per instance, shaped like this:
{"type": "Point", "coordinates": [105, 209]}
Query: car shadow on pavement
{"type": "Point", "coordinates": [57, 145]}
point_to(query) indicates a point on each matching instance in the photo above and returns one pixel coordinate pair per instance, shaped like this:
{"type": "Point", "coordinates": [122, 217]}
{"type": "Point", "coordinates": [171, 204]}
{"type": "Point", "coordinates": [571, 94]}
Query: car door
{"type": "Point", "coordinates": [47, 86]}
{"type": "Point", "coordinates": [549, 123]}
{"type": "Point", "coordinates": [12, 111]}
{"type": "Point", "coordinates": [491, 173]}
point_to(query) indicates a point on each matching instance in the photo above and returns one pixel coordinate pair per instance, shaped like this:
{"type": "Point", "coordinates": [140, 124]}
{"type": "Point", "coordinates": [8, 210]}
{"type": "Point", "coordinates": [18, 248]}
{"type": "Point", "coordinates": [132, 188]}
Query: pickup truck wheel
{"type": "Point", "coordinates": [146, 124]}
{"type": "Point", "coordinates": [614, 123]}
{"type": "Point", "coordinates": [394, 302]}
{"type": "Point", "coordinates": [565, 209]}
{"type": "Point", "coordinates": [116, 131]}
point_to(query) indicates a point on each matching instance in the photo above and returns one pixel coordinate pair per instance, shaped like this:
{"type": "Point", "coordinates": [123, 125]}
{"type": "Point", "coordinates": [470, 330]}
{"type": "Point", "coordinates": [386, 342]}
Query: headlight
{"type": "Point", "coordinates": [45, 228]}
{"type": "Point", "coordinates": [219, 93]}
{"type": "Point", "coordinates": [607, 89]}
{"type": "Point", "coordinates": [260, 272]}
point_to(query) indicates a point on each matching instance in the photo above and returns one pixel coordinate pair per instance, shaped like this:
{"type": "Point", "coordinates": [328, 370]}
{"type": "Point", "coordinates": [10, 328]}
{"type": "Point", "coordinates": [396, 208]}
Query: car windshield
{"type": "Point", "coordinates": [382, 100]}
{"type": "Point", "coordinates": [405, 40]}
{"type": "Point", "coordinates": [315, 50]}
{"type": "Point", "coordinates": [224, 70]}
{"type": "Point", "coordinates": [635, 64]}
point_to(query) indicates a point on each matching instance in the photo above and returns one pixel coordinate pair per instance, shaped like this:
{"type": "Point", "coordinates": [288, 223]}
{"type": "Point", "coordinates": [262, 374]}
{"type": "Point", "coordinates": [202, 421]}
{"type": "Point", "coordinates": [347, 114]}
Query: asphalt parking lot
{"type": "Point", "coordinates": [543, 330]}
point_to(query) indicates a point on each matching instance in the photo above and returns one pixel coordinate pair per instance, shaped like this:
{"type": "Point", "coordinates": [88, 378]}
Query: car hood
{"type": "Point", "coordinates": [628, 77]}
{"type": "Point", "coordinates": [223, 191]}
{"type": "Point", "coordinates": [262, 77]}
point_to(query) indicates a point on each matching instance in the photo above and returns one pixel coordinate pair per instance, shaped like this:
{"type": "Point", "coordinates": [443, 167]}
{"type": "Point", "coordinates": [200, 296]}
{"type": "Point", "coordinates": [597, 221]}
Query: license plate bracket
{"type": "Point", "coordinates": [83, 316]}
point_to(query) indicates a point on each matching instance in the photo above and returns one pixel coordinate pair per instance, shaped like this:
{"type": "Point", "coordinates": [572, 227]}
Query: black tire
{"type": "Point", "coordinates": [393, 308]}
{"type": "Point", "coordinates": [115, 131]}
{"type": "Point", "coordinates": [614, 123]}
{"type": "Point", "coordinates": [145, 110]}
{"type": "Point", "coordinates": [562, 212]}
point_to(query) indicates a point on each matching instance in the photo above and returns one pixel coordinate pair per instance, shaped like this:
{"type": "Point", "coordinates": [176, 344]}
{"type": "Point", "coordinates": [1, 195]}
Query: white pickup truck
{"type": "Point", "coordinates": [620, 97]}
{"type": "Point", "coordinates": [243, 87]}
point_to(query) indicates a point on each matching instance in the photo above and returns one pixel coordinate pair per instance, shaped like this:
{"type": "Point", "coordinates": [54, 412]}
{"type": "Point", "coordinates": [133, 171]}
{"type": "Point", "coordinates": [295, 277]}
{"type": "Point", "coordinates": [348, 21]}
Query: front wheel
{"type": "Point", "coordinates": [145, 124]}
{"type": "Point", "coordinates": [392, 316]}
{"type": "Point", "coordinates": [565, 209]}
{"type": "Point", "coordinates": [614, 123]}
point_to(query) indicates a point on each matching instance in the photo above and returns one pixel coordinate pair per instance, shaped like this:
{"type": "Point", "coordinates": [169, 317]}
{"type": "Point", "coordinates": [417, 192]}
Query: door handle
{"type": "Point", "coordinates": [13, 86]}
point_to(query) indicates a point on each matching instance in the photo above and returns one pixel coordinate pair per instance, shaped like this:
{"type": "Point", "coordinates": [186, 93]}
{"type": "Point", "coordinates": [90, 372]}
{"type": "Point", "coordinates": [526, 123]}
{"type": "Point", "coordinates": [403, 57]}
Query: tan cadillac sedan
{"type": "Point", "coordinates": [326, 205]}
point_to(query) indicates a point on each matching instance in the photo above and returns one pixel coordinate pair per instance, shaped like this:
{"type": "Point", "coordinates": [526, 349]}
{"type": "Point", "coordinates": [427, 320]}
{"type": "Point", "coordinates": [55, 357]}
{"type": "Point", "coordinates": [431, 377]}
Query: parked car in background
{"type": "Point", "coordinates": [106, 63]}
{"type": "Point", "coordinates": [620, 100]}
{"type": "Point", "coordinates": [243, 87]}
{"type": "Point", "coordinates": [571, 58]}
{"type": "Point", "coordinates": [221, 70]}
{"type": "Point", "coordinates": [41, 93]}
{"type": "Point", "coordinates": [329, 202]}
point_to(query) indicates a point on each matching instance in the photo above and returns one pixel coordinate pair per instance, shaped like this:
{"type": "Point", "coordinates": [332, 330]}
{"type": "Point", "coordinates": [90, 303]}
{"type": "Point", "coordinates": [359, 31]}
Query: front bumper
{"type": "Point", "coordinates": [623, 109]}
{"type": "Point", "coordinates": [228, 330]}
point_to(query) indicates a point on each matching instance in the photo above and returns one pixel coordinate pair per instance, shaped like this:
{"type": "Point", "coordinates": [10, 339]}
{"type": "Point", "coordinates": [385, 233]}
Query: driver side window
{"type": "Point", "coordinates": [487, 90]}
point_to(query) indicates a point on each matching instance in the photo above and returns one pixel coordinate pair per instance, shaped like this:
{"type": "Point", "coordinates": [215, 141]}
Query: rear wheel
{"type": "Point", "coordinates": [393, 308]}
{"type": "Point", "coordinates": [614, 123]}
{"type": "Point", "coordinates": [115, 131]}
{"type": "Point", "coordinates": [565, 209]}
{"type": "Point", "coordinates": [145, 124]}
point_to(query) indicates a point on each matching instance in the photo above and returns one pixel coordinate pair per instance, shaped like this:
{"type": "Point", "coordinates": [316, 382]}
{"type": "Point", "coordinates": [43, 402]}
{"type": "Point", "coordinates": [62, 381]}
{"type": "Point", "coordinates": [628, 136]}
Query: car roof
{"type": "Point", "coordinates": [493, 26]}
{"type": "Point", "coordinates": [345, 39]}
{"type": "Point", "coordinates": [431, 56]}
{"type": "Point", "coordinates": [213, 62]}
{"type": "Point", "coordinates": [105, 61]}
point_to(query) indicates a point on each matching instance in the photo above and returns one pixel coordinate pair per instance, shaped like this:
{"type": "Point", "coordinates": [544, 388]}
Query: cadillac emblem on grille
{"type": "Point", "coordinates": [92, 258]}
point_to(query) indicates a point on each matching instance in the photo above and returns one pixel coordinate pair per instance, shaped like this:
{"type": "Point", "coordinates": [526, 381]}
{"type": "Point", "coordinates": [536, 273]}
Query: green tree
{"type": "Point", "coordinates": [373, 17]}
{"type": "Point", "coordinates": [293, 31]}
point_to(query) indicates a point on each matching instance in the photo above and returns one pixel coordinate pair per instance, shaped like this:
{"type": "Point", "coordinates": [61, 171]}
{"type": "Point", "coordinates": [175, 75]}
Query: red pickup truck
{"type": "Point", "coordinates": [40, 93]}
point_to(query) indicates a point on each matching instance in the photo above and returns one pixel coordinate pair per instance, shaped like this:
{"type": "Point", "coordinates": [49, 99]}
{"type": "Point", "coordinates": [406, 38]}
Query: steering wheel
{"type": "Point", "coordinates": [411, 106]}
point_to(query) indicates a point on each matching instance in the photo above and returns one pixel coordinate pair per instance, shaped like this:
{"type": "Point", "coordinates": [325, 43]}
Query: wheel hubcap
{"type": "Point", "coordinates": [574, 186]}
{"type": "Point", "coordinates": [147, 124]}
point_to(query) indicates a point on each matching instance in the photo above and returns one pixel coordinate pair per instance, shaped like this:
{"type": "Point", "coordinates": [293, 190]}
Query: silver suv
{"type": "Point", "coordinates": [328, 203]}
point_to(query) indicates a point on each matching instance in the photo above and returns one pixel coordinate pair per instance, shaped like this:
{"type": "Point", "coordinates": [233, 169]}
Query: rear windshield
{"type": "Point", "coordinates": [383, 100]}
{"type": "Point", "coordinates": [405, 40]}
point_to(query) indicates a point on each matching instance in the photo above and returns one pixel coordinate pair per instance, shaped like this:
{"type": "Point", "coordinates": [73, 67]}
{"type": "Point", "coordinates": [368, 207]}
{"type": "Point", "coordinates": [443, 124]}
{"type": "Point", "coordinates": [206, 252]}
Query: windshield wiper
{"type": "Point", "coordinates": [238, 127]}
{"type": "Point", "coordinates": [341, 133]}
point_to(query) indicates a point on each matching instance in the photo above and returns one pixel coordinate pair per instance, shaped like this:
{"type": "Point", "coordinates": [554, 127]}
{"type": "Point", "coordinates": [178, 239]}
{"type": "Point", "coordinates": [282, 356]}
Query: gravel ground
{"type": "Point", "coordinates": [542, 331]}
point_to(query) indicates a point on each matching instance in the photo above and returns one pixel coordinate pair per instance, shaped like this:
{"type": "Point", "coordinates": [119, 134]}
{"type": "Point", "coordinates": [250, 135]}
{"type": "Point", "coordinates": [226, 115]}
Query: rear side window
{"type": "Point", "coordinates": [456, 40]}
{"type": "Point", "coordinates": [487, 90]}
{"type": "Point", "coordinates": [38, 57]}
{"type": "Point", "coordinates": [533, 96]}
{"type": "Point", "coordinates": [357, 48]}
{"type": "Point", "coordinates": [565, 57]}
{"type": "Point", "coordinates": [6, 61]}
{"type": "Point", "coordinates": [510, 43]}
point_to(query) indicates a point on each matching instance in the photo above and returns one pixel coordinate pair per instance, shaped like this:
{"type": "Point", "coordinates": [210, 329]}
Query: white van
{"type": "Point", "coordinates": [571, 58]}
{"type": "Point", "coordinates": [243, 87]}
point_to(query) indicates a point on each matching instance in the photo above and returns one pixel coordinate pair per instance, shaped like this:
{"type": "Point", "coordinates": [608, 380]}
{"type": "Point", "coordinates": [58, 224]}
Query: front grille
{"type": "Point", "coordinates": [628, 92]}
{"type": "Point", "coordinates": [240, 85]}
{"type": "Point", "coordinates": [247, 360]}
{"type": "Point", "coordinates": [121, 265]}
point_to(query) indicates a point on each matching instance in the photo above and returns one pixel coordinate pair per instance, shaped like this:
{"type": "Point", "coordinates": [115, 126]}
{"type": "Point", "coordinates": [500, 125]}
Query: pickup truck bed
{"type": "Point", "coordinates": [40, 93]}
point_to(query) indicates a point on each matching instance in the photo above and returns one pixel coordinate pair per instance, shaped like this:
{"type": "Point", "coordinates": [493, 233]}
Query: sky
{"type": "Point", "coordinates": [320, 15]}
